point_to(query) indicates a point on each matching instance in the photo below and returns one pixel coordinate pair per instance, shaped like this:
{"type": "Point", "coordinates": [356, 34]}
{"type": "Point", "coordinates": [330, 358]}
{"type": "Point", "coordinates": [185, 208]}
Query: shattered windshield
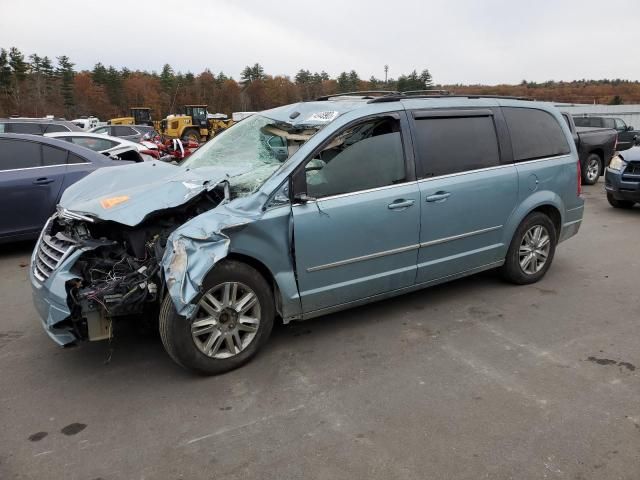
{"type": "Point", "coordinates": [252, 151]}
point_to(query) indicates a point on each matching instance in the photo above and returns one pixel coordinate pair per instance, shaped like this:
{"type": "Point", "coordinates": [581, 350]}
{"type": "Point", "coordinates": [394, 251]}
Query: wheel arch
{"type": "Point", "coordinates": [262, 270]}
{"type": "Point", "coordinates": [546, 202]}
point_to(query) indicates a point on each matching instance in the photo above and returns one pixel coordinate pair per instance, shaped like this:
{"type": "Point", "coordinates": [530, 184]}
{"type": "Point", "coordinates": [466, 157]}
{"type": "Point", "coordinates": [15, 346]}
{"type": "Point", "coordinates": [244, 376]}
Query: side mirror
{"type": "Point", "coordinates": [629, 127]}
{"type": "Point", "coordinates": [303, 198]}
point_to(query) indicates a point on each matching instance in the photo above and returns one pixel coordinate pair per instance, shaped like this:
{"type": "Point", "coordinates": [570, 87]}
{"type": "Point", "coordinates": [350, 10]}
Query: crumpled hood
{"type": "Point", "coordinates": [127, 194]}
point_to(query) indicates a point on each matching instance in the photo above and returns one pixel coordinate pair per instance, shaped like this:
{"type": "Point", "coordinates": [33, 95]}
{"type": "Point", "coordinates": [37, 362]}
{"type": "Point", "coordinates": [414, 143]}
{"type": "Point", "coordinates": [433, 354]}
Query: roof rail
{"type": "Point", "coordinates": [426, 91]}
{"type": "Point", "coordinates": [402, 96]}
{"type": "Point", "coordinates": [360, 93]}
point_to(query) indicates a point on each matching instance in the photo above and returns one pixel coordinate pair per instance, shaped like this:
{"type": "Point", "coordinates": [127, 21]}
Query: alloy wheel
{"type": "Point", "coordinates": [593, 170]}
{"type": "Point", "coordinates": [534, 249]}
{"type": "Point", "coordinates": [227, 320]}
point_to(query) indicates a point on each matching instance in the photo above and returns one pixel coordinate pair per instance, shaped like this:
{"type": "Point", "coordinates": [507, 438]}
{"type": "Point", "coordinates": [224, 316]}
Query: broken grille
{"type": "Point", "coordinates": [50, 252]}
{"type": "Point", "coordinates": [632, 172]}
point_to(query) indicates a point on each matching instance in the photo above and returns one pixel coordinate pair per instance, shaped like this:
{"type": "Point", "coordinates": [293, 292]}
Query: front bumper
{"type": "Point", "coordinates": [50, 301]}
{"type": "Point", "coordinates": [619, 188]}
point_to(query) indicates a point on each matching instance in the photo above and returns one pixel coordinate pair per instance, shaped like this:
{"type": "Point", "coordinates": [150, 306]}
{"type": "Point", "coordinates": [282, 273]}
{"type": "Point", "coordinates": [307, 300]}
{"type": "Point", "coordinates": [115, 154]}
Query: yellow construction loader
{"type": "Point", "coordinates": [139, 116]}
{"type": "Point", "coordinates": [193, 124]}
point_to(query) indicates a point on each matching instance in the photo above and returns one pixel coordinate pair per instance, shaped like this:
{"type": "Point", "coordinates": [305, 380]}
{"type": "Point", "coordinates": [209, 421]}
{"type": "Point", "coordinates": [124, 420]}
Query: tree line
{"type": "Point", "coordinates": [37, 85]}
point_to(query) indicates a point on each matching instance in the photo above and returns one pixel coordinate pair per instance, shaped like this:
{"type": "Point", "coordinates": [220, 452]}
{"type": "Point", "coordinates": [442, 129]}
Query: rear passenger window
{"type": "Point", "coordinates": [73, 158]}
{"type": "Point", "coordinates": [456, 144]}
{"type": "Point", "coordinates": [30, 128]}
{"type": "Point", "coordinates": [15, 154]}
{"type": "Point", "coordinates": [534, 134]}
{"type": "Point", "coordinates": [367, 155]}
{"type": "Point", "coordinates": [121, 131]}
{"type": "Point", "coordinates": [53, 156]}
{"type": "Point", "coordinates": [55, 128]}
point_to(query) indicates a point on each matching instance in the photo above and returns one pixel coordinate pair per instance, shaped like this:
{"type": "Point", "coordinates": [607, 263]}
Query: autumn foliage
{"type": "Point", "coordinates": [38, 86]}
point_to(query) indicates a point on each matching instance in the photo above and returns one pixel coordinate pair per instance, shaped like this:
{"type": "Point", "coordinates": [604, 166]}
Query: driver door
{"type": "Point", "coordinates": [356, 215]}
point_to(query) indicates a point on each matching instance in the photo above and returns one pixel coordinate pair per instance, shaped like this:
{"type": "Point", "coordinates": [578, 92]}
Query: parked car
{"type": "Point", "coordinates": [622, 179]}
{"type": "Point", "coordinates": [596, 147]}
{"type": "Point", "coordinates": [34, 172]}
{"type": "Point", "coordinates": [107, 145]}
{"type": "Point", "coordinates": [378, 196]}
{"type": "Point", "coordinates": [627, 135]}
{"type": "Point", "coordinates": [128, 132]}
{"type": "Point", "coordinates": [36, 126]}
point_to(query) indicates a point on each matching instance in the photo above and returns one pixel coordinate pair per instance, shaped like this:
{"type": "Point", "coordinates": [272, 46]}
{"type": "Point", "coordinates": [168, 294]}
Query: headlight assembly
{"type": "Point", "coordinates": [617, 163]}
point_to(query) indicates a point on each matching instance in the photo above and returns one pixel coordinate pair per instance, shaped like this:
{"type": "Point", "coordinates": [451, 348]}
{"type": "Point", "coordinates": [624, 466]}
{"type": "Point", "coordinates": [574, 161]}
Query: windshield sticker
{"type": "Point", "coordinates": [323, 116]}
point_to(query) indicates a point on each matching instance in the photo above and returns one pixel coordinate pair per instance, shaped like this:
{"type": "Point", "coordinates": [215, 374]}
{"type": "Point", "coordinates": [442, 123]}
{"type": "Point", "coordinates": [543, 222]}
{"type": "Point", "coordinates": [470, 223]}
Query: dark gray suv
{"type": "Point", "coordinates": [36, 126]}
{"type": "Point", "coordinates": [622, 179]}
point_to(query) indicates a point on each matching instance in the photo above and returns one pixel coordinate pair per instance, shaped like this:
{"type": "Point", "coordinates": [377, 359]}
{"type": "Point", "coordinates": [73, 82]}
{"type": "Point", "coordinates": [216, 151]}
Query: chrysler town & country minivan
{"type": "Point", "coordinates": [304, 210]}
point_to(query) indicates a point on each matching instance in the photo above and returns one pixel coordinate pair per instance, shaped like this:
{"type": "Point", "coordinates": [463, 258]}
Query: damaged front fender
{"type": "Point", "coordinates": [192, 251]}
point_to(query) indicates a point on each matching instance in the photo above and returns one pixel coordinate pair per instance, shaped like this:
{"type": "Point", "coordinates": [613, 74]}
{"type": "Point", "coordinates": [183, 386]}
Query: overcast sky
{"type": "Point", "coordinates": [466, 41]}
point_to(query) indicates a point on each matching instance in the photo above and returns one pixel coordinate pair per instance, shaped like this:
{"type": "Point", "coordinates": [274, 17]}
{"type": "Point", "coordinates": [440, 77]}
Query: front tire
{"type": "Point", "coordinates": [234, 318]}
{"type": "Point", "coordinates": [191, 134]}
{"type": "Point", "coordinates": [531, 250]}
{"type": "Point", "coordinates": [615, 203]}
{"type": "Point", "coordinates": [592, 169]}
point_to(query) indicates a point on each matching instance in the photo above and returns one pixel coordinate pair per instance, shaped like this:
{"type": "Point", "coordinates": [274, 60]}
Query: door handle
{"type": "Point", "coordinates": [43, 181]}
{"type": "Point", "coordinates": [401, 203]}
{"type": "Point", "coordinates": [438, 197]}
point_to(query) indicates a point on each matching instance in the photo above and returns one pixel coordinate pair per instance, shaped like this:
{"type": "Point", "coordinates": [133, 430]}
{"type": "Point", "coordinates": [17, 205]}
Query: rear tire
{"type": "Point", "coordinates": [592, 169]}
{"type": "Point", "coordinates": [531, 250]}
{"type": "Point", "coordinates": [234, 319]}
{"type": "Point", "coordinates": [626, 204]}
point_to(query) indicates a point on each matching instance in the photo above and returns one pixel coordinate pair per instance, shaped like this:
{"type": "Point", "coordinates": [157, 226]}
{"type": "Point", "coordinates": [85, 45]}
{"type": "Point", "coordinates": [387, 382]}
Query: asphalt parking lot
{"type": "Point", "coordinates": [473, 379]}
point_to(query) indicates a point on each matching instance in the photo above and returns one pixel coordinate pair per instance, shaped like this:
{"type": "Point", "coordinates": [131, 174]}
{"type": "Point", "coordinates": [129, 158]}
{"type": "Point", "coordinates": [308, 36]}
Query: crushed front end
{"type": "Point", "coordinates": [87, 273]}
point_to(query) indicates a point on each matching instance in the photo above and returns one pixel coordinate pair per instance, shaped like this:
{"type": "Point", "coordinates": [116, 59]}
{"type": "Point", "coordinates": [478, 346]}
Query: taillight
{"type": "Point", "coordinates": [579, 179]}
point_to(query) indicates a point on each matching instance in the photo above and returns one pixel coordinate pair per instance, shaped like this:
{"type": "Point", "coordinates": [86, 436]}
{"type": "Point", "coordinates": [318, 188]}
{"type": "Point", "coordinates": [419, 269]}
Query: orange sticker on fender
{"type": "Point", "coordinates": [108, 203]}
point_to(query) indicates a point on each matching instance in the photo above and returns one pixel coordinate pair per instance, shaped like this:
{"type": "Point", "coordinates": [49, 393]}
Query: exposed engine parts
{"type": "Point", "coordinates": [119, 273]}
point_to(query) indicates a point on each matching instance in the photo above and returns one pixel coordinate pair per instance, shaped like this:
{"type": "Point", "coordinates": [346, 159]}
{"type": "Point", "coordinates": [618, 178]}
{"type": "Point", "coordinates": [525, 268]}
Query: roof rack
{"type": "Point", "coordinates": [381, 96]}
{"type": "Point", "coordinates": [358, 93]}
{"type": "Point", "coordinates": [402, 96]}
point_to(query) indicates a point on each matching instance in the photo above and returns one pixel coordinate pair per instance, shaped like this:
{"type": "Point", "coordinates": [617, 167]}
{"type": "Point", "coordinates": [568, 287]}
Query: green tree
{"type": "Point", "coordinates": [18, 65]}
{"type": "Point", "coordinates": [99, 74]}
{"type": "Point", "coordinates": [5, 71]}
{"type": "Point", "coordinates": [252, 74]}
{"type": "Point", "coordinates": [616, 100]}
{"type": "Point", "coordinates": [66, 73]}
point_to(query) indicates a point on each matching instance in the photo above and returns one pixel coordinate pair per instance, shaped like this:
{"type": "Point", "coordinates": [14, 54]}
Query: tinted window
{"type": "Point", "coordinates": [95, 144]}
{"type": "Point", "coordinates": [31, 128]}
{"type": "Point", "coordinates": [121, 131]}
{"type": "Point", "coordinates": [608, 123]}
{"type": "Point", "coordinates": [581, 121]}
{"type": "Point", "coordinates": [73, 158]}
{"type": "Point", "coordinates": [534, 134]}
{"type": "Point", "coordinates": [457, 144]}
{"type": "Point", "coordinates": [55, 128]}
{"type": "Point", "coordinates": [620, 125]}
{"type": "Point", "coordinates": [367, 155]}
{"type": "Point", "coordinates": [18, 154]}
{"type": "Point", "coordinates": [53, 156]}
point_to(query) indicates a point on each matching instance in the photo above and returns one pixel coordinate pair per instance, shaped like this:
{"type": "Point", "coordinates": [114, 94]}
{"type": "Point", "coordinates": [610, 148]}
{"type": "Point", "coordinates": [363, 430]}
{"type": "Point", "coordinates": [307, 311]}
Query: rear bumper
{"type": "Point", "coordinates": [620, 189]}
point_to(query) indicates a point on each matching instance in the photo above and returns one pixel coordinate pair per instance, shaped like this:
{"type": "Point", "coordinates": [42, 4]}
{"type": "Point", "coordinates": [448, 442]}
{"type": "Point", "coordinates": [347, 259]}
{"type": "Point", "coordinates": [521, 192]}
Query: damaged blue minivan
{"type": "Point", "coordinates": [304, 210]}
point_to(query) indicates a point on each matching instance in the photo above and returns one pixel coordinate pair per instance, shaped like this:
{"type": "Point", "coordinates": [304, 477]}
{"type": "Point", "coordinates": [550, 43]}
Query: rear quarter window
{"type": "Point", "coordinates": [534, 134]}
{"type": "Point", "coordinates": [30, 128]}
{"type": "Point", "coordinates": [456, 144]}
